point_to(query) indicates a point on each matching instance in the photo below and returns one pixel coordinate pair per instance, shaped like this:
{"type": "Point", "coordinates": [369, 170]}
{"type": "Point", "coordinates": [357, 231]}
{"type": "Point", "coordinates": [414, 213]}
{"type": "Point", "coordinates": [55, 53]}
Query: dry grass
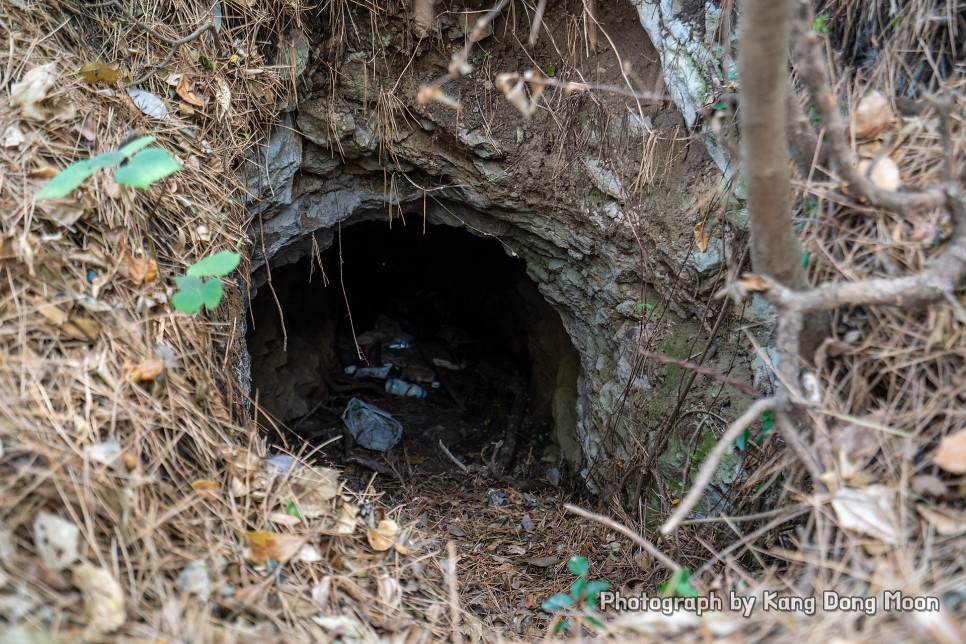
{"type": "Point", "coordinates": [185, 481]}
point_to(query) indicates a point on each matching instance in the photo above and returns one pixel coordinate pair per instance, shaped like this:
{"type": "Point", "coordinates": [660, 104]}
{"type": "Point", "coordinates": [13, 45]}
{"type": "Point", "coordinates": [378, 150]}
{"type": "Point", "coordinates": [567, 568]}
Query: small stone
{"type": "Point", "coordinates": [483, 145]}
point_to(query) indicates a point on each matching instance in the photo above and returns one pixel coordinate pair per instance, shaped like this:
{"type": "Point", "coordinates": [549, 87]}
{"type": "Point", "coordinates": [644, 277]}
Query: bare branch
{"type": "Point", "coordinates": [765, 33]}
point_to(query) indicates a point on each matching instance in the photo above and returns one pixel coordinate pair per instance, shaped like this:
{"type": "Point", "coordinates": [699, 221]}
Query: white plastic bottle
{"type": "Point", "coordinates": [398, 387]}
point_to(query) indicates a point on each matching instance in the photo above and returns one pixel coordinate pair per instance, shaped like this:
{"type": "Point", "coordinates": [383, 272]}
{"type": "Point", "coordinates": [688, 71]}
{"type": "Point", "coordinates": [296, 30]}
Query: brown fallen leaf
{"type": "Point", "coordinates": [94, 71]}
{"type": "Point", "coordinates": [53, 313]}
{"type": "Point", "coordinates": [187, 95]}
{"type": "Point", "coordinates": [264, 545]}
{"type": "Point", "coordinates": [945, 521]}
{"type": "Point", "coordinates": [147, 370]}
{"type": "Point", "coordinates": [951, 455]}
{"type": "Point", "coordinates": [701, 238]}
{"type": "Point", "coordinates": [137, 269]}
{"type": "Point", "coordinates": [872, 115]}
{"type": "Point", "coordinates": [86, 328]}
{"type": "Point", "coordinates": [753, 282]}
{"type": "Point", "coordinates": [928, 485]}
{"type": "Point", "coordinates": [383, 536]}
{"type": "Point", "coordinates": [103, 600]}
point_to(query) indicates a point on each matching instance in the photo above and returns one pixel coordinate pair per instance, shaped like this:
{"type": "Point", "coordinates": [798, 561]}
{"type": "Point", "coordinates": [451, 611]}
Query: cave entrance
{"type": "Point", "coordinates": [481, 355]}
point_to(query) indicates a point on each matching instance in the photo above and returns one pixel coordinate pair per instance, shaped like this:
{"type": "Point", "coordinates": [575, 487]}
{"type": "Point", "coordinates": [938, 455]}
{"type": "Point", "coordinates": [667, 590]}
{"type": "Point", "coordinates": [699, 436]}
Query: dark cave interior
{"type": "Point", "coordinates": [440, 308]}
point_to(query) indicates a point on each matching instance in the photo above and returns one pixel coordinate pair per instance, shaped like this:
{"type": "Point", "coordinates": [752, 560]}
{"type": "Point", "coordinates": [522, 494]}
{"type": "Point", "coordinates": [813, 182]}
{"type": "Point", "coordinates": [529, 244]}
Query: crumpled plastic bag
{"type": "Point", "coordinates": [371, 427]}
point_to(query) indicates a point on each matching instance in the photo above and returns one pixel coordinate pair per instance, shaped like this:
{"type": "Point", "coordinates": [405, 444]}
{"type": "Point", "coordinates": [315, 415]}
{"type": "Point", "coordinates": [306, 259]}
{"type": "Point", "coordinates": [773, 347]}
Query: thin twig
{"type": "Point", "coordinates": [668, 563]}
{"type": "Point", "coordinates": [710, 464]}
{"type": "Point", "coordinates": [454, 597]}
{"type": "Point", "coordinates": [707, 371]}
{"type": "Point", "coordinates": [455, 460]}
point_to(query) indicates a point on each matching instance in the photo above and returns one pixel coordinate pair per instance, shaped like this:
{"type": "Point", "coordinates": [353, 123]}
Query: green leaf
{"type": "Point", "coordinates": [558, 602]}
{"type": "Point", "coordinates": [292, 510]}
{"type": "Point", "coordinates": [135, 146]}
{"type": "Point", "coordinates": [742, 441]}
{"type": "Point", "coordinates": [66, 180]}
{"type": "Point", "coordinates": [217, 265]}
{"type": "Point", "coordinates": [578, 588]}
{"type": "Point", "coordinates": [767, 426]}
{"type": "Point", "coordinates": [679, 585]}
{"type": "Point", "coordinates": [146, 168]}
{"type": "Point", "coordinates": [206, 62]}
{"type": "Point", "coordinates": [733, 74]}
{"type": "Point", "coordinates": [595, 621]}
{"type": "Point", "coordinates": [578, 565]}
{"type": "Point", "coordinates": [594, 589]}
{"type": "Point", "coordinates": [821, 23]}
{"type": "Point", "coordinates": [106, 160]}
{"type": "Point", "coordinates": [193, 292]}
{"type": "Point", "coordinates": [720, 105]}
{"type": "Point", "coordinates": [645, 305]}
{"type": "Point", "coordinates": [805, 257]}
{"type": "Point", "coordinates": [562, 626]}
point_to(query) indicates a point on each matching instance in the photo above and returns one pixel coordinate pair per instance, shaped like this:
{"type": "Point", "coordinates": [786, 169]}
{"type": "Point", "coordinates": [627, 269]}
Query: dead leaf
{"type": "Point", "coordinates": [84, 328]}
{"type": "Point", "coordinates": [928, 485]}
{"type": "Point", "coordinates": [315, 488]}
{"type": "Point", "coordinates": [951, 455]}
{"type": "Point", "coordinates": [945, 522]}
{"type": "Point", "coordinates": [512, 86]}
{"type": "Point", "coordinates": [701, 238]}
{"type": "Point", "coordinates": [206, 488]}
{"type": "Point", "coordinates": [283, 518]}
{"type": "Point", "coordinates": [184, 91]}
{"type": "Point", "coordinates": [103, 600]}
{"type": "Point", "coordinates": [885, 173]}
{"type": "Point", "coordinates": [223, 95]}
{"type": "Point", "coordinates": [88, 127]}
{"type": "Point", "coordinates": [527, 523]}
{"type": "Point", "coordinates": [544, 562]}
{"type": "Point", "coordinates": [56, 541]}
{"type": "Point", "coordinates": [872, 115]}
{"type": "Point", "coordinates": [54, 314]}
{"type": "Point", "coordinates": [32, 89]}
{"type": "Point", "coordinates": [149, 103]}
{"type": "Point", "coordinates": [264, 545]}
{"type": "Point", "coordinates": [869, 510]}
{"type": "Point", "coordinates": [753, 282]}
{"type": "Point", "coordinates": [147, 370]}
{"type": "Point", "coordinates": [106, 453]}
{"type": "Point", "coordinates": [137, 269]}
{"type": "Point", "coordinates": [61, 213]}
{"type": "Point", "coordinates": [95, 71]}
{"type": "Point", "coordinates": [194, 579]}
{"type": "Point", "coordinates": [12, 136]}
{"type": "Point", "coordinates": [383, 535]}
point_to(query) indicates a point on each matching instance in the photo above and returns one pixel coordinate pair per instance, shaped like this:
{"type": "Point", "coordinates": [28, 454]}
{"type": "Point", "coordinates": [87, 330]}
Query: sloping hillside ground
{"type": "Point", "coordinates": [146, 497]}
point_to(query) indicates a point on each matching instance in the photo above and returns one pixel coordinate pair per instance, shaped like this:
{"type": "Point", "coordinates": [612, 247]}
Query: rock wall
{"type": "Point", "coordinates": [598, 193]}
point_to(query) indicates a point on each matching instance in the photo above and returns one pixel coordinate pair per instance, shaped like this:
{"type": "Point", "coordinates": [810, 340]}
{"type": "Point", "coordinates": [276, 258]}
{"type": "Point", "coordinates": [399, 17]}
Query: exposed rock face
{"type": "Point", "coordinates": [599, 195]}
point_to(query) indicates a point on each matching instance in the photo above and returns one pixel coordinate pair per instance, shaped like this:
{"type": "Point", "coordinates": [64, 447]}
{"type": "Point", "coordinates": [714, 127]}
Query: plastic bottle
{"type": "Point", "coordinates": [398, 387]}
{"type": "Point", "coordinates": [374, 372]}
